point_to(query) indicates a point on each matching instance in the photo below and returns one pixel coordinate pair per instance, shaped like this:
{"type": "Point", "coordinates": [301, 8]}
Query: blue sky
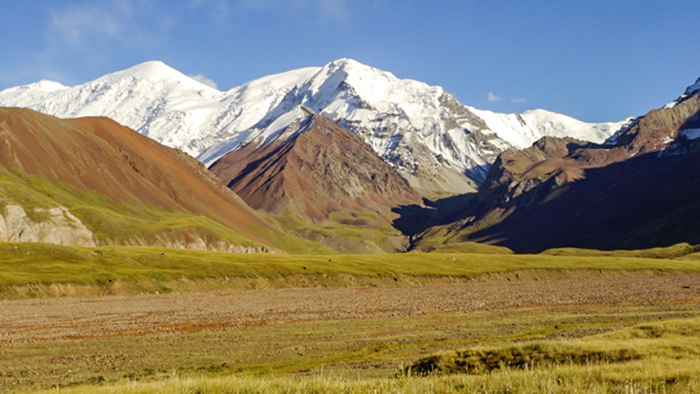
{"type": "Point", "coordinates": [594, 60]}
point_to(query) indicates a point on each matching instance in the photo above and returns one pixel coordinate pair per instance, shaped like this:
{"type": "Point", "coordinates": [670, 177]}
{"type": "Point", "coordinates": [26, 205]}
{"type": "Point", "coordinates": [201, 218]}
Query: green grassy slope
{"type": "Point", "coordinates": [25, 263]}
{"type": "Point", "coordinates": [114, 223]}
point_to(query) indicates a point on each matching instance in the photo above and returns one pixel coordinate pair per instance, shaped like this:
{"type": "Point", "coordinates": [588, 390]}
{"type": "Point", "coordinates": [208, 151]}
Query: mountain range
{"type": "Point", "coordinates": [438, 144]}
{"type": "Point", "coordinates": [336, 158]}
{"type": "Point", "coordinates": [636, 190]}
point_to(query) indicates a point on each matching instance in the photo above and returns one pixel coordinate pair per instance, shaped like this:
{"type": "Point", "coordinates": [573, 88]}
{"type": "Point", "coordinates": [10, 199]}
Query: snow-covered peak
{"type": "Point", "coordinates": [281, 81]}
{"type": "Point", "coordinates": [159, 74]}
{"type": "Point", "coordinates": [690, 91]}
{"type": "Point", "coordinates": [524, 129]}
{"type": "Point", "coordinates": [152, 69]}
{"type": "Point", "coordinates": [46, 86]}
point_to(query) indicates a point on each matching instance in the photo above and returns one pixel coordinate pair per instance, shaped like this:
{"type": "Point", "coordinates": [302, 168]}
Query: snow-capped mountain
{"type": "Point", "coordinates": [439, 144]}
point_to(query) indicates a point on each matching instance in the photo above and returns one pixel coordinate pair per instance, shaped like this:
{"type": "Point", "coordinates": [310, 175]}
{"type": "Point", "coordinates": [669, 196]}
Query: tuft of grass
{"type": "Point", "coordinates": [656, 377]}
{"type": "Point", "coordinates": [674, 339]}
{"type": "Point", "coordinates": [531, 355]}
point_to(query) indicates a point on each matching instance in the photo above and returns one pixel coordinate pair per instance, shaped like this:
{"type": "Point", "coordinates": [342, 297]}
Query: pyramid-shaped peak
{"type": "Point", "coordinates": [351, 66]}
{"type": "Point", "coordinates": [156, 70]}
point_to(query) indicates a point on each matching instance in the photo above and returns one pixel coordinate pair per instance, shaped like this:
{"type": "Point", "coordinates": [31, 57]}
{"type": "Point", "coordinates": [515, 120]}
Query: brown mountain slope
{"type": "Point", "coordinates": [98, 154]}
{"type": "Point", "coordinates": [636, 191]}
{"type": "Point", "coordinates": [322, 169]}
{"type": "Point", "coordinates": [322, 174]}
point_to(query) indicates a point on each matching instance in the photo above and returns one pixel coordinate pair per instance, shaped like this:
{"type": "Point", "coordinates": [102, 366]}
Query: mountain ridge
{"type": "Point", "coordinates": [317, 172]}
{"type": "Point", "coordinates": [439, 144]}
{"type": "Point", "coordinates": [632, 191]}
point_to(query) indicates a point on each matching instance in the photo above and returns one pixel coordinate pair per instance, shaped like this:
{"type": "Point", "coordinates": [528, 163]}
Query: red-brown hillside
{"type": "Point", "coordinates": [101, 155]}
{"type": "Point", "coordinates": [321, 169]}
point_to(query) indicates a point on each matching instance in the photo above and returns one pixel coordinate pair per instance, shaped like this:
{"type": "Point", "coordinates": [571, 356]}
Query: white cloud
{"type": "Point", "coordinates": [492, 97]}
{"type": "Point", "coordinates": [77, 25]}
{"type": "Point", "coordinates": [97, 32]}
{"type": "Point", "coordinates": [327, 10]}
{"type": "Point", "coordinates": [203, 79]}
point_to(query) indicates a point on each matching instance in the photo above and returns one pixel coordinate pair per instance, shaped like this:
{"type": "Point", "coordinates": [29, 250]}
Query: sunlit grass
{"type": "Point", "coordinates": [134, 224]}
{"type": "Point", "coordinates": [26, 263]}
{"type": "Point", "coordinates": [665, 359]}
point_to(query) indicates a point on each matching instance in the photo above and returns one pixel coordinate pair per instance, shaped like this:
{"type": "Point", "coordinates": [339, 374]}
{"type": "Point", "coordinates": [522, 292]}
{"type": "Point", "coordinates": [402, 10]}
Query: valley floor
{"type": "Point", "coordinates": [297, 336]}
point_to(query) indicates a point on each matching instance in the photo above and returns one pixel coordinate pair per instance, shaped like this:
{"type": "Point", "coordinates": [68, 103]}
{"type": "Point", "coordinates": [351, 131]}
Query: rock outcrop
{"type": "Point", "coordinates": [54, 225]}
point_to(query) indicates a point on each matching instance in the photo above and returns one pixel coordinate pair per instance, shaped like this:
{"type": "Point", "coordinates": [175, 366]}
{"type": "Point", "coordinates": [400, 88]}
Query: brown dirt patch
{"type": "Point", "coordinates": [51, 319]}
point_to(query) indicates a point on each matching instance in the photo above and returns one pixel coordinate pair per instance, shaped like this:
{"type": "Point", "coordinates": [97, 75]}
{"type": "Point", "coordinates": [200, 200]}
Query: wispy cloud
{"type": "Point", "coordinates": [205, 80]}
{"type": "Point", "coordinates": [77, 25]}
{"type": "Point", "coordinates": [326, 10]}
{"type": "Point", "coordinates": [97, 32]}
{"type": "Point", "coordinates": [334, 10]}
{"type": "Point", "coordinates": [493, 98]}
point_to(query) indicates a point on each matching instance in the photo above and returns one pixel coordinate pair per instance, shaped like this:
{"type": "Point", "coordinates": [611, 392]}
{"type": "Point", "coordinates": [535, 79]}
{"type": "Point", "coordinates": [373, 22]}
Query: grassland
{"type": "Point", "coordinates": [36, 264]}
{"type": "Point", "coordinates": [349, 231]}
{"type": "Point", "coordinates": [614, 345]}
{"type": "Point", "coordinates": [372, 356]}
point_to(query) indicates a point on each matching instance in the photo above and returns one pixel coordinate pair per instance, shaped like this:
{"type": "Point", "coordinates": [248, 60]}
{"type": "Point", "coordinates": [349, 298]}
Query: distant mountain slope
{"type": "Point", "coordinates": [434, 141]}
{"type": "Point", "coordinates": [637, 190]}
{"type": "Point", "coordinates": [114, 179]}
{"type": "Point", "coordinates": [318, 172]}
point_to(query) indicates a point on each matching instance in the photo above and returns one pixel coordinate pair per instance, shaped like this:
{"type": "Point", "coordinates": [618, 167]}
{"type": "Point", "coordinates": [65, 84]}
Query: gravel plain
{"type": "Point", "coordinates": [51, 319]}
